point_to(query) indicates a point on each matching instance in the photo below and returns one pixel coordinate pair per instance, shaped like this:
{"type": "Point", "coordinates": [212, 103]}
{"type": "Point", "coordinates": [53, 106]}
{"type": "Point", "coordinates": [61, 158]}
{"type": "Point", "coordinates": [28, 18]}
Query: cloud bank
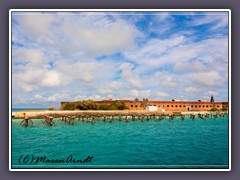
{"type": "Point", "coordinates": [101, 55]}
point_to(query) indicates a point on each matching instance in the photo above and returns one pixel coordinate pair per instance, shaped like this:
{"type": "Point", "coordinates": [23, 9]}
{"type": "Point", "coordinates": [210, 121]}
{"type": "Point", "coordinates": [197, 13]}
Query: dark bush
{"type": "Point", "coordinates": [91, 105]}
{"type": "Point", "coordinates": [104, 107]}
{"type": "Point", "coordinates": [213, 109]}
{"type": "Point", "coordinates": [70, 106]}
{"type": "Point", "coordinates": [224, 109]}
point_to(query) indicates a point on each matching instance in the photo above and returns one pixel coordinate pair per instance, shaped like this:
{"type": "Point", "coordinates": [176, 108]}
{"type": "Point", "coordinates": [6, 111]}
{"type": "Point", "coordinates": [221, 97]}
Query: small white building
{"type": "Point", "coordinates": [162, 110]}
{"type": "Point", "coordinates": [151, 108]}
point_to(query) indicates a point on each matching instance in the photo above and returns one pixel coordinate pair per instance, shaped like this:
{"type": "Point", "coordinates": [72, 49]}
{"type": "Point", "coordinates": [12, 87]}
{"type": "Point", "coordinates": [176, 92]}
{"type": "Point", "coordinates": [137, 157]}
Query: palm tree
{"type": "Point", "coordinates": [135, 101]}
{"type": "Point", "coordinates": [144, 103]}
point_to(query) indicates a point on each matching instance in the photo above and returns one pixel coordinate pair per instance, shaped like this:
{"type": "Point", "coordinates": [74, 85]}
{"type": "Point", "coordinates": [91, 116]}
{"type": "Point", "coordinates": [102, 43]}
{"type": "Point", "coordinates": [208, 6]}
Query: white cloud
{"type": "Point", "coordinates": [34, 57]}
{"type": "Point", "coordinates": [86, 56]}
{"type": "Point", "coordinates": [37, 96]}
{"type": "Point", "coordinates": [181, 51]}
{"type": "Point", "coordinates": [169, 82]}
{"type": "Point", "coordinates": [111, 87]}
{"type": "Point", "coordinates": [130, 76]}
{"type": "Point", "coordinates": [88, 72]}
{"type": "Point", "coordinates": [110, 96]}
{"type": "Point", "coordinates": [38, 99]}
{"type": "Point", "coordinates": [126, 66]}
{"type": "Point", "coordinates": [211, 78]}
{"type": "Point", "coordinates": [79, 97]}
{"type": "Point", "coordinates": [37, 25]}
{"type": "Point", "coordinates": [95, 97]}
{"type": "Point", "coordinates": [161, 23]}
{"type": "Point", "coordinates": [218, 20]}
{"type": "Point", "coordinates": [51, 79]}
{"type": "Point", "coordinates": [210, 93]}
{"type": "Point", "coordinates": [39, 74]}
{"type": "Point", "coordinates": [105, 91]}
{"type": "Point", "coordinates": [154, 48]}
{"type": "Point", "coordinates": [191, 89]}
{"type": "Point", "coordinates": [190, 66]}
{"type": "Point", "coordinates": [164, 81]}
{"type": "Point", "coordinates": [58, 97]}
{"type": "Point", "coordinates": [33, 77]}
{"type": "Point", "coordinates": [140, 93]}
{"type": "Point", "coordinates": [81, 34]}
{"type": "Point", "coordinates": [115, 85]}
{"type": "Point", "coordinates": [33, 71]}
{"type": "Point", "coordinates": [162, 94]}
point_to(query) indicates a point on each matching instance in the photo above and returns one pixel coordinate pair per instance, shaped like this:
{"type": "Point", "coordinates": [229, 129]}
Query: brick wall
{"type": "Point", "coordinates": [168, 105]}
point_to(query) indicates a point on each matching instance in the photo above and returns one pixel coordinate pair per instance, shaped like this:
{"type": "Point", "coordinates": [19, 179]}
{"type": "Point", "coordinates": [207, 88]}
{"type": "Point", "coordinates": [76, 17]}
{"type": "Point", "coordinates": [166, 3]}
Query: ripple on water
{"type": "Point", "coordinates": [176, 143]}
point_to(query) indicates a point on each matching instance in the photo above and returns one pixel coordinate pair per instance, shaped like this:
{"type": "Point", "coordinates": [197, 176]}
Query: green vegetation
{"type": "Point", "coordinates": [213, 109]}
{"type": "Point", "coordinates": [224, 109]}
{"type": "Point", "coordinates": [144, 103]}
{"type": "Point", "coordinates": [87, 105]}
{"type": "Point", "coordinates": [70, 106]}
{"type": "Point", "coordinates": [91, 105]}
{"type": "Point", "coordinates": [104, 107]}
{"type": "Point", "coordinates": [136, 100]}
{"type": "Point", "coordinates": [118, 105]}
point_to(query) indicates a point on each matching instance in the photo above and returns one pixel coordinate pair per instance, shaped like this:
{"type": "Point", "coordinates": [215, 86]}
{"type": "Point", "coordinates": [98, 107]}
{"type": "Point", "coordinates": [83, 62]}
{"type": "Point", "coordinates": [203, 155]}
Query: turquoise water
{"type": "Point", "coordinates": [149, 144]}
{"type": "Point", "coordinates": [24, 109]}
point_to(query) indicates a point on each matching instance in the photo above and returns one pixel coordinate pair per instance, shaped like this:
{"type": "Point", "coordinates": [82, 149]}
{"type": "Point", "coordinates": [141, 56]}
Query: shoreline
{"type": "Point", "coordinates": [61, 113]}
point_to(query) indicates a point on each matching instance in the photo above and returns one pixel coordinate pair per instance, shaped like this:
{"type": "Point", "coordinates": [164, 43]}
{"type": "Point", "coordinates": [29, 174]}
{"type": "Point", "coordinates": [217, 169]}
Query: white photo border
{"type": "Point", "coordinates": [119, 10]}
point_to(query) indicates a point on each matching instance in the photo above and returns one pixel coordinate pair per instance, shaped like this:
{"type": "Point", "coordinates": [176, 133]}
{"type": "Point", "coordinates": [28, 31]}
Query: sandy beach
{"type": "Point", "coordinates": [60, 113]}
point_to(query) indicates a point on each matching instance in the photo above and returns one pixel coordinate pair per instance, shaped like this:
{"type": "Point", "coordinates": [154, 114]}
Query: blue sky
{"type": "Point", "coordinates": [70, 56]}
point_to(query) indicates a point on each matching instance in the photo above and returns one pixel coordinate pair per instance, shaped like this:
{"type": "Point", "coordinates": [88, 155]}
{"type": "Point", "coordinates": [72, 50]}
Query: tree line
{"type": "Point", "coordinates": [91, 105]}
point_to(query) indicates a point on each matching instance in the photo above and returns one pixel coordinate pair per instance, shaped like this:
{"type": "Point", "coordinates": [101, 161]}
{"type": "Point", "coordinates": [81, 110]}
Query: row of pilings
{"type": "Point", "coordinates": [94, 117]}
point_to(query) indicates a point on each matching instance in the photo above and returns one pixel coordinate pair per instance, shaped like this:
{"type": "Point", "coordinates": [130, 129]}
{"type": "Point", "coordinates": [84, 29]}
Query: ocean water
{"type": "Point", "coordinates": [150, 144]}
{"type": "Point", "coordinates": [24, 109]}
